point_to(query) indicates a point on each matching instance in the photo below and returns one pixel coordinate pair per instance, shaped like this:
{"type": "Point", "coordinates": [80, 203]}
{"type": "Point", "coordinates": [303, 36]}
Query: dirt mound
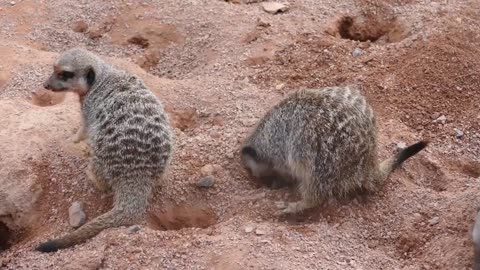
{"type": "Point", "coordinates": [437, 76]}
{"type": "Point", "coordinates": [217, 67]}
{"type": "Point", "coordinates": [431, 78]}
{"type": "Point", "coordinates": [44, 98]}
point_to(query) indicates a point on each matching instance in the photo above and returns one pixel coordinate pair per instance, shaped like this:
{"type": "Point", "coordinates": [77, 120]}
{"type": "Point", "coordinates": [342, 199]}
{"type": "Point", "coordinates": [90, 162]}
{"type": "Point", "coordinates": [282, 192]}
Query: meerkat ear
{"type": "Point", "coordinates": [90, 76]}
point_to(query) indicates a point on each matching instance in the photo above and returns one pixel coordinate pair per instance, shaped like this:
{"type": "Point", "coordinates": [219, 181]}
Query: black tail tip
{"type": "Point", "coordinates": [419, 146]}
{"type": "Point", "coordinates": [50, 246]}
{"type": "Point", "coordinates": [411, 151]}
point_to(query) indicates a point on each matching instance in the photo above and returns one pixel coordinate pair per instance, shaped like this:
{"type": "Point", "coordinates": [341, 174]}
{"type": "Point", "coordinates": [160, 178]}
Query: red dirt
{"type": "Point", "coordinates": [218, 66]}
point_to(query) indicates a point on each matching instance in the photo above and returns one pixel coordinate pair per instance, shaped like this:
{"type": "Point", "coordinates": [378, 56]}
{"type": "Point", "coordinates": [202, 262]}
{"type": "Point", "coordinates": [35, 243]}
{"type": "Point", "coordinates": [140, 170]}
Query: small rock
{"type": "Point", "coordinates": [458, 133]}
{"type": "Point", "coordinates": [357, 52]}
{"type": "Point", "coordinates": [206, 182]}
{"type": "Point", "coordinates": [274, 7]}
{"type": "Point", "coordinates": [249, 228]}
{"type": "Point", "coordinates": [441, 119]}
{"type": "Point", "coordinates": [12, 3]}
{"type": "Point", "coordinates": [434, 221]}
{"type": "Point", "coordinates": [435, 115]}
{"type": "Point", "coordinates": [207, 170]}
{"type": "Point", "coordinates": [260, 232]}
{"type": "Point", "coordinates": [80, 27]}
{"type": "Point", "coordinates": [401, 145]}
{"type": "Point", "coordinates": [280, 86]}
{"type": "Point", "coordinates": [133, 229]}
{"type": "Point", "coordinates": [76, 216]}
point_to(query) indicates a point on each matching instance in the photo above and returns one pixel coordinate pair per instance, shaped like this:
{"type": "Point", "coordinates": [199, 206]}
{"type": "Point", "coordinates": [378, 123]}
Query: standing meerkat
{"type": "Point", "coordinates": [325, 142]}
{"type": "Point", "coordinates": [129, 134]}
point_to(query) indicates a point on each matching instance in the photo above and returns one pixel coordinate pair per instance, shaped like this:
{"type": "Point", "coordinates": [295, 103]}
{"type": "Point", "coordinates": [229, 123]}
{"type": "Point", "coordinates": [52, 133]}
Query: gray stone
{"type": "Point", "coordinates": [458, 133]}
{"type": "Point", "coordinates": [206, 182]}
{"type": "Point", "coordinates": [435, 115]}
{"type": "Point", "coordinates": [76, 216]}
{"type": "Point", "coordinates": [434, 221]}
{"type": "Point", "coordinates": [133, 229]}
{"type": "Point", "coordinates": [274, 7]}
{"type": "Point", "coordinates": [401, 145]}
{"type": "Point", "coordinates": [442, 119]}
{"type": "Point", "coordinates": [357, 52]}
{"type": "Point", "coordinates": [249, 228]}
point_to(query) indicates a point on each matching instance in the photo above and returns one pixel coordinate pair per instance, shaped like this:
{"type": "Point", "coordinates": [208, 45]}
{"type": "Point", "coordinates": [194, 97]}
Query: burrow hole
{"type": "Point", "coordinates": [5, 237]}
{"type": "Point", "coordinates": [176, 217]}
{"type": "Point", "coordinates": [371, 29]}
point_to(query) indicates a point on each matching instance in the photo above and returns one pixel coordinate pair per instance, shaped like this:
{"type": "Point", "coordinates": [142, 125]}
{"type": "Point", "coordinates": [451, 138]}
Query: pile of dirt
{"type": "Point", "coordinates": [417, 84]}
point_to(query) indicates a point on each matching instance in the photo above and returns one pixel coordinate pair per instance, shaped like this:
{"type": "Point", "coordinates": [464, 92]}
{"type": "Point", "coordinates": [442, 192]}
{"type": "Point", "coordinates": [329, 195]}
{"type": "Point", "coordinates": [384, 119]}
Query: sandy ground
{"type": "Point", "coordinates": [218, 66]}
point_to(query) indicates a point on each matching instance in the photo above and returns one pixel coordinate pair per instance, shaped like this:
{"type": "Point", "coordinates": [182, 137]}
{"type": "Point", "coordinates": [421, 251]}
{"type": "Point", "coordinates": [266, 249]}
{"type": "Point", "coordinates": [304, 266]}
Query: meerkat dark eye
{"type": "Point", "coordinates": [65, 75]}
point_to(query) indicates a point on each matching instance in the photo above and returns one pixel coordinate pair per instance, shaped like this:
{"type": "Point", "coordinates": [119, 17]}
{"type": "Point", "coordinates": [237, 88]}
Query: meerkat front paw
{"type": "Point", "coordinates": [76, 139]}
{"type": "Point", "coordinates": [79, 136]}
{"type": "Point", "coordinates": [281, 205]}
{"type": "Point", "coordinates": [294, 208]}
{"type": "Point", "coordinates": [291, 208]}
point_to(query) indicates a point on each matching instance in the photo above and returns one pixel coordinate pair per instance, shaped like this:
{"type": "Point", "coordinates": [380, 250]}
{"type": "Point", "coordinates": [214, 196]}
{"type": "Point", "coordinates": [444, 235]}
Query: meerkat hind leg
{"type": "Point", "coordinates": [307, 202]}
{"type": "Point", "coordinates": [296, 207]}
{"type": "Point", "coordinates": [97, 181]}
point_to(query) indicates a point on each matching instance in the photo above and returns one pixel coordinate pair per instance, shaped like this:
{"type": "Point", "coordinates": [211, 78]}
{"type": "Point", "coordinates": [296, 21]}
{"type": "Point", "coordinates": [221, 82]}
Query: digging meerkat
{"type": "Point", "coordinates": [325, 142]}
{"type": "Point", "coordinates": [129, 135]}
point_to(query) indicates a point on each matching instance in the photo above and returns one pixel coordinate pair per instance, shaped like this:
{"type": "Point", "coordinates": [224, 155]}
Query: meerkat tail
{"type": "Point", "coordinates": [128, 208]}
{"type": "Point", "coordinates": [390, 164]}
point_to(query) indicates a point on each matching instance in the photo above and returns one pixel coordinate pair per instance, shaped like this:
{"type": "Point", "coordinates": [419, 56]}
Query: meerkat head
{"type": "Point", "coordinates": [75, 70]}
{"type": "Point", "coordinates": [252, 162]}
